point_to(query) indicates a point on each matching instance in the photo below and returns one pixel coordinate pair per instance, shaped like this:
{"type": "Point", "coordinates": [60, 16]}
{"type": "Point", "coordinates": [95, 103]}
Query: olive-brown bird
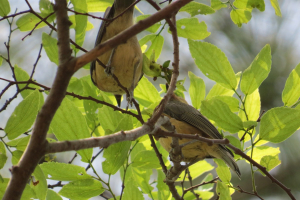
{"type": "Point", "coordinates": [188, 120]}
{"type": "Point", "coordinates": [125, 60]}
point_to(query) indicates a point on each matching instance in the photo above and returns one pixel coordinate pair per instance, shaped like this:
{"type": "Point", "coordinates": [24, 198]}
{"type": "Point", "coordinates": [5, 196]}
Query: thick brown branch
{"type": "Point", "coordinates": [37, 145]}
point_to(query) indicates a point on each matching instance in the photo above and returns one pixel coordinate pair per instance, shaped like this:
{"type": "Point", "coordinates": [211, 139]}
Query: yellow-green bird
{"type": "Point", "coordinates": [125, 60]}
{"type": "Point", "coordinates": [188, 120]}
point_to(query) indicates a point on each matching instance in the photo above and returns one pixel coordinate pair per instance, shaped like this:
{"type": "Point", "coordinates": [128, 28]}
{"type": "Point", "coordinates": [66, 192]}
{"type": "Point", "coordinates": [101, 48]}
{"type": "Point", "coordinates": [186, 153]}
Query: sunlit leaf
{"type": "Point", "coordinates": [23, 116]}
{"type": "Point", "coordinates": [240, 16]}
{"type": "Point", "coordinates": [196, 90]}
{"type": "Point", "coordinates": [276, 7]}
{"type": "Point", "coordinates": [213, 63]}
{"type": "Point", "coordinates": [82, 189]}
{"type": "Point", "coordinates": [146, 93]}
{"type": "Point", "coordinates": [242, 4]}
{"type": "Point", "coordinates": [223, 171]}
{"type": "Point", "coordinates": [50, 45]}
{"type": "Point", "coordinates": [257, 72]}
{"type": "Point", "coordinates": [195, 8]}
{"type": "Point", "coordinates": [223, 191]}
{"type": "Point", "coordinates": [190, 28]}
{"type": "Point", "coordinates": [4, 8]}
{"type": "Point", "coordinates": [63, 171]}
{"type": "Point", "coordinates": [220, 113]}
{"type": "Point", "coordinates": [278, 124]}
{"type": "Point", "coordinates": [291, 91]}
{"type": "Point", "coordinates": [69, 124]}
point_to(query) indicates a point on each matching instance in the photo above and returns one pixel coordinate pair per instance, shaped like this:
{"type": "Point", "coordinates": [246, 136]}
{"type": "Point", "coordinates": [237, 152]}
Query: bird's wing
{"type": "Point", "coordinates": [188, 114]}
{"type": "Point", "coordinates": [109, 13]}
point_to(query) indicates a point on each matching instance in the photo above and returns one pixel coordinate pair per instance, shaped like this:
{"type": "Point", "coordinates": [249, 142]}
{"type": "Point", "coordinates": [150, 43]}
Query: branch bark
{"type": "Point", "coordinates": [36, 147]}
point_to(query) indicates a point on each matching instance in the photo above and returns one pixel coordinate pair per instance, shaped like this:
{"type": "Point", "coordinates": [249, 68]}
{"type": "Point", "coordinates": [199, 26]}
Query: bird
{"type": "Point", "coordinates": [188, 120]}
{"type": "Point", "coordinates": [125, 60]}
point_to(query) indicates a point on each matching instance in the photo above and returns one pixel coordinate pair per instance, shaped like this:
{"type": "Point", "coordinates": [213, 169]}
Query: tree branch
{"type": "Point", "coordinates": [103, 141]}
{"type": "Point", "coordinates": [37, 146]}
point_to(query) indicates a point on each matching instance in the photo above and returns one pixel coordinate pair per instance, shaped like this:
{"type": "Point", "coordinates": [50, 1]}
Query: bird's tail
{"type": "Point", "coordinates": [229, 160]}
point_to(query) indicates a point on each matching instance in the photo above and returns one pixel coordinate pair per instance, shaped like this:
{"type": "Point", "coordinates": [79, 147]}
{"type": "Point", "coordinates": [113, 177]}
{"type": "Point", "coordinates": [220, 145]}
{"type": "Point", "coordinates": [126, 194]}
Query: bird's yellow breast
{"type": "Point", "coordinates": [196, 150]}
{"type": "Point", "coordinates": [125, 58]}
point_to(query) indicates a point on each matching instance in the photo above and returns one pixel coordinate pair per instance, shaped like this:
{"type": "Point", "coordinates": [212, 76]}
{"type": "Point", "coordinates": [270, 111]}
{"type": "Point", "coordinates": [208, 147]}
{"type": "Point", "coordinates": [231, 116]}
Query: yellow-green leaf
{"type": "Point", "coordinates": [291, 91]}
{"type": "Point", "coordinates": [240, 16]}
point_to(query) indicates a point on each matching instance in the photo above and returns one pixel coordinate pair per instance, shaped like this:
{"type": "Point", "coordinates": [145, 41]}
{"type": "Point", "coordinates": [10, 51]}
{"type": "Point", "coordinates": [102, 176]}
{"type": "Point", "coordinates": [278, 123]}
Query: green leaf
{"type": "Point", "coordinates": [3, 156]}
{"type": "Point", "coordinates": [250, 4]}
{"type": "Point", "coordinates": [146, 160]}
{"type": "Point", "coordinates": [161, 185]}
{"type": "Point", "coordinates": [219, 90]}
{"type": "Point", "coordinates": [146, 93]}
{"type": "Point", "coordinates": [63, 171]}
{"type": "Point", "coordinates": [239, 16]}
{"type": "Point", "coordinates": [257, 72]}
{"type": "Point", "coordinates": [81, 20]}
{"type": "Point", "coordinates": [231, 102]}
{"type": "Point", "coordinates": [270, 162]}
{"type": "Point", "coordinates": [82, 189]}
{"type": "Point", "coordinates": [157, 42]}
{"type": "Point", "coordinates": [291, 91]}
{"type": "Point", "coordinates": [132, 192]}
{"type": "Point", "coordinates": [69, 124]}
{"type": "Point", "coordinates": [197, 169]}
{"type": "Point", "coordinates": [217, 4]}
{"type": "Point", "coordinates": [195, 8]}
{"type": "Point", "coordinates": [90, 107]}
{"type": "Point", "coordinates": [219, 112]}
{"type": "Point", "coordinates": [16, 155]}
{"type": "Point", "coordinates": [196, 90]}
{"type": "Point", "coordinates": [50, 45]}
{"type": "Point", "coordinates": [21, 75]}
{"type": "Point", "coordinates": [223, 171]}
{"type": "Point", "coordinates": [152, 28]}
{"type": "Point", "coordinates": [89, 26]}
{"type": "Point", "coordinates": [190, 28]}
{"type": "Point", "coordinates": [223, 191]}
{"type": "Point", "coordinates": [109, 118]}
{"type": "Point", "coordinates": [1, 60]}
{"type": "Point", "coordinates": [261, 151]}
{"type": "Point", "coordinates": [115, 155]}
{"type": "Point", "coordinates": [41, 187]}
{"type": "Point", "coordinates": [276, 7]}
{"type": "Point", "coordinates": [27, 22]}
{"type": "Point", "coordinates": [234, 141]}
{"type": "Point", "coordinates": [23, 116]}
{"type": "Point", "coordinates": [20, 143]}
{"type": "Point", "coordinates": [51, 195]}
{"type": "Point", "coordinates": [140, 178]}
{"type": "Point", "coordinates": [207, 187]}
{"type": "Point", "coordinates": [4, 8]}
{"type": "Point", "coordinates": [46, 6]}
{"type": "Point", "coordinates": [278, 124]}
{"type": "Point", "coordinates": [213, 63]}
{"type": "Point", "coordinates": [249, 124]}
{"type": "Point", "coordinates": [252, 107]}
{"type": "Point", "coordinates": [98, 6]}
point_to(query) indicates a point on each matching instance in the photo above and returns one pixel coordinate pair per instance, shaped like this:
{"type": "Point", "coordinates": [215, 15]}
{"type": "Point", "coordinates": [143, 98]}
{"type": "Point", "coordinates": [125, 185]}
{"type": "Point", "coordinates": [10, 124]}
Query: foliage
{"type": "Point", "coordinates": [232, 107]}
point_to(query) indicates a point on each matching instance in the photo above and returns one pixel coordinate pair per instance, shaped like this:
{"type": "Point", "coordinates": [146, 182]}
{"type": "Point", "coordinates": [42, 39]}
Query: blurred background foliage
{"type": "Point", "coordinates": [240, 45]}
